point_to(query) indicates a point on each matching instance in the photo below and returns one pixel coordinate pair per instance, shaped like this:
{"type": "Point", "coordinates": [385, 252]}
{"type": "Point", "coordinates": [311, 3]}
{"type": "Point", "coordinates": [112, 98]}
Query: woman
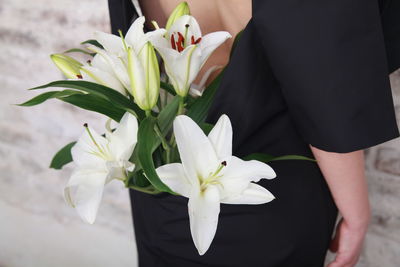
{"type": "Point", "coordinates": [308, 78]}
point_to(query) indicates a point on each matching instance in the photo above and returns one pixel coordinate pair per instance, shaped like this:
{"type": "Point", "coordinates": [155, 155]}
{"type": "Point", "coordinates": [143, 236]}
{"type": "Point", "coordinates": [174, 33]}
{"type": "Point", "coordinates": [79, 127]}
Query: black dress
{"type": "Point", "coordinates": [304, 72]}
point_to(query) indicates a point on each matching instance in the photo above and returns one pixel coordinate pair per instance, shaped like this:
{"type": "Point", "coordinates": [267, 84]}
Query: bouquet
{"type": "Point", "coordinates": [160, 142]}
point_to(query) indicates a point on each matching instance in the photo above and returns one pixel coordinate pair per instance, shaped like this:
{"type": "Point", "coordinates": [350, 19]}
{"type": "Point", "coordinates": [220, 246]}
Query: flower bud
{"type": "Point", "coordinates": [68, 66]}
{"type": "Point", "coordinates": [144, 76]}
{"type": "Point", "coordinates": [179, 11]}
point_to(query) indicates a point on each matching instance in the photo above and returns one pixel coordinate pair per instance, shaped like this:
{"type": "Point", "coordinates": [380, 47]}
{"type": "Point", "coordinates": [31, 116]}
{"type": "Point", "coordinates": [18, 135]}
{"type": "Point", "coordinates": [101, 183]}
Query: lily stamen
{"type": "Point", "coordinates": [181, 42]}
{"type": "Point", "coordinates": [213, 177]}
{"type": "Point", "coordinates": [123, 40]}
{"type": "Point", "coordinates": [186, 33]}
{"type": "Point", "coordinates": [194, 41]}
{"type": "Point", "coordinates": [93, 140]}
{"type": "Point", "coordinates": [173, 44]}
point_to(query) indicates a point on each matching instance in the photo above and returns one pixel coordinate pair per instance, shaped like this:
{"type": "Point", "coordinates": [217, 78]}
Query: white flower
{"type": "Point", "coordinates": [133, 61]}
{"type": "Point", "coordinates": [210, 175]}
{"type": "Point", "coordinates": [185, 51]}
{"type": "Point", "coordinates": [99, 160]}
{"type": "Point", "coordinates": [135, 38]}
{"type": "Point", "coordinates": [99, 71]}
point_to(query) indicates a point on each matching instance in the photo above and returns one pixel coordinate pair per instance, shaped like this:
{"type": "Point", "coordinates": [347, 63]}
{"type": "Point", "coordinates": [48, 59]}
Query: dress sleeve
{"type": "Point", "coordinates": [329, 58]}
{"type": "Point", "coordinates": [122, 14]}
{"type": "Point", "coordinates": [390, 14]}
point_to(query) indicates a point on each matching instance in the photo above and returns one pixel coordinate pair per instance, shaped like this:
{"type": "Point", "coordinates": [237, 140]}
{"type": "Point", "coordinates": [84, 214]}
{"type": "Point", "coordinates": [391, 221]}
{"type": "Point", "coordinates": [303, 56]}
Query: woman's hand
{"type": "Point", "coordinates": [344, 174]}
{"type": "Point", "coordinates": [347, 243]}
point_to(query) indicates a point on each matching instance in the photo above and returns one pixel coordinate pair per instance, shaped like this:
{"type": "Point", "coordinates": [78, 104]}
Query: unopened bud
{"type": "Point", "coordinates": [181, 10]}
{"type": "Point", "coordinates": [68, 66]}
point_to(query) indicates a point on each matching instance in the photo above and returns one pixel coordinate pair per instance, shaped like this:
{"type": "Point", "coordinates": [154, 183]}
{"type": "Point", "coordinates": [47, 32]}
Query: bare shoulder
{"type": "Point", "coordinates": [213, 15]}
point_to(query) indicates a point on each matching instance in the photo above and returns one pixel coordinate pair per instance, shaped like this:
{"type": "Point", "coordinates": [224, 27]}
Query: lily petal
{"type": "Point", "coordinates": [170, 56]}
{"type": "Point", "coordinates": [239, 173]}
{"type": "Point", "coordinates": [221, 137]}
{"type": "Point", "coordinates": [253, 194]}
{"type": "Point", "coordinates": [204, 208]}
{"type": "Point", "coordinates": [187, 66]}
{"type": "Point", "coordinates": [159, 41]}
{"type": "Point", "coordinates": [116, 170]}
{"type": "Point", "coordinates": [197, 154]}
{"type": "Point", "coordinates": [110, 42]}
{"type": "Point", "coordinates": [157, 34]}
{"type": "Point", "coordinates": [210, 42]}
{"type": "Point", "coordinates": [135, 34]}
{"type": "Point", "coordinates": [180, 26]}
{"type": "Point", "coordinates": [88, 186]}
{"type": "Point", "coordinates": [99, 62]}
{"type": "Point", "coordinates": [174, 176]}
{"type": "Point", "coordinates": [118, 65]}
{"type": "Point", "coordinates": [88, 148]}
{"type": "Point", "coordinates": [96, 75]}
{"type": "Point", "coordinates": [124, 138]}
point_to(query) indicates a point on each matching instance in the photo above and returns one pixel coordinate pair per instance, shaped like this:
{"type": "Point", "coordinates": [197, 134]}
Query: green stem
{"type": "Point", "coordinates": [149, 189]}
{"type": "Point", "coordinates": [164, 144]}
{"type": "Point", "coordinates": [165, 98]}
{"type": "Point", "coordinates": [172, 141]}
{"type": "Point", "coordinates": [181, 105]}
{"type": "Point", "coordinates": [165, 93]}
{"type": "Point", "coordinates": [148, 113]}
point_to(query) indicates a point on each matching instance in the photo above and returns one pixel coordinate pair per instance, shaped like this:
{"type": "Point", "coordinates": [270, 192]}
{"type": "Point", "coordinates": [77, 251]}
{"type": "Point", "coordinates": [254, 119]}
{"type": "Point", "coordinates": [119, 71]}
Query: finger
{"type": "Point", "coordinates": [334, 245]}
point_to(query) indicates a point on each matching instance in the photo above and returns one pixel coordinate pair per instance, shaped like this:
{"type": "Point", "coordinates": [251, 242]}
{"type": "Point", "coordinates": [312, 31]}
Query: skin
{"type": "Point", "coordinates": [344, 172]}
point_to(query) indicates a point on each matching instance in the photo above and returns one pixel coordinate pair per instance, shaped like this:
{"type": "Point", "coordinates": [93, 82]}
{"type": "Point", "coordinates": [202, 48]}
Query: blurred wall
{"type": "Point", "coordinates": [36, 227]}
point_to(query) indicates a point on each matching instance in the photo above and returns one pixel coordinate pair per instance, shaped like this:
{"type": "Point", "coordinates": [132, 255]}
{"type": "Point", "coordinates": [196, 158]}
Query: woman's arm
{"type": "Point", "coordinates": [344, 173]}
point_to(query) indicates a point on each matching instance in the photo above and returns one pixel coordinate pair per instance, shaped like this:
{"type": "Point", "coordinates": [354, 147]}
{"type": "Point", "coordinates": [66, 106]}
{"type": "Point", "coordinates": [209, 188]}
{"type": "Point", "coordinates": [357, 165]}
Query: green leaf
{"type": "Point", "coordinates": [167, 115]}
{"type": "Point", "coordinates": [62, 157]}
{"type": "Point", "coordinates": [168, 87]}
{"type": "Point", "coordinates": [94, 103]}
{"type": "Point", "coordinates": [48, 95]}
{"type": "Point", "coordinates": [199, 109]}
{"type": "Point", "coordinates": [147, 144]}
{"type": "Point", "coordinates": [93, 42]}
{"type": "Point", "coordinates": [78, 50]}
{"type": "Point", "coordinates": [137, 179]}
{"type": "Point", "coordinates": [105, 92]}
{"type": "Point", "coordinates": [268, 158]}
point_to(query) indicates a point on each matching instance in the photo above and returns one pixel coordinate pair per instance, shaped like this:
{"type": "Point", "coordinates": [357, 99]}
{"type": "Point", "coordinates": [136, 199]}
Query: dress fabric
{"type": "Point", "coordinates": [304, 72]}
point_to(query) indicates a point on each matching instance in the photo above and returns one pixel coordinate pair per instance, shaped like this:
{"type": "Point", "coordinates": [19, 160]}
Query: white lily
{"type": "Point", "coordinates": [99, 71]}
{"type": "Point", "coordinates": [99, 160]}
{"type": "Point", "coordinates": [133, 61]}
{"type": "Point", "coordinates": [210, 175]}
{"type": "Point", "coordinates": [185, 51]}
{"type": "Point", "coordinates": [135, 38]}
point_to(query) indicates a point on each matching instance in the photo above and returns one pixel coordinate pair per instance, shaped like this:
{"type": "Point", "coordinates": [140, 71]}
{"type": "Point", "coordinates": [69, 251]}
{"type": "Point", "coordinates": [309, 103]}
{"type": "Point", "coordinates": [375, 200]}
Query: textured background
{"type": "Point", "coordinates": [36, 227]}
